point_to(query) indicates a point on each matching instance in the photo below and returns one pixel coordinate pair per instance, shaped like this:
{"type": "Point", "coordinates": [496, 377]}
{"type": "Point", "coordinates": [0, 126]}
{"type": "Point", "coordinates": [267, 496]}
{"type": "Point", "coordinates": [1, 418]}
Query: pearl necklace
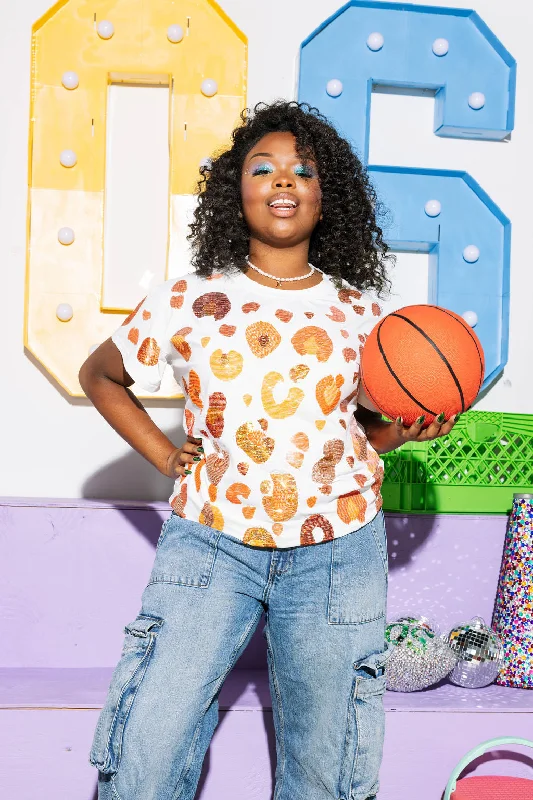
{"type": "Point", "coordinates": [279, 281]}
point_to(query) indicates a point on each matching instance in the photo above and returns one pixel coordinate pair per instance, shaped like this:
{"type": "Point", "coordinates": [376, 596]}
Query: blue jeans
{"type": "Point", "coordinates": [325, 621]}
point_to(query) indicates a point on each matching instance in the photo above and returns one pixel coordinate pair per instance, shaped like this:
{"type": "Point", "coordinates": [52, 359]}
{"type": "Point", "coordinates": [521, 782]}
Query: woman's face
{"type": "Point", "coordinates": [281, 197]}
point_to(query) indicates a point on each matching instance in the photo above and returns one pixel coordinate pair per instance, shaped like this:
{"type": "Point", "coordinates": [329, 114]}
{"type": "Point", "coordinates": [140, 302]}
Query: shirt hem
{"type": "Point", "coordinates": [226, 531]}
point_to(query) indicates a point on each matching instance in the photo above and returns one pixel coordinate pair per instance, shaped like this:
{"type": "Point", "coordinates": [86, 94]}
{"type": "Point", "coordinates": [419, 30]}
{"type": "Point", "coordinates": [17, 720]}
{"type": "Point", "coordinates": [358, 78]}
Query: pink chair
{"type": "Point", "coordinates": [488, 787]}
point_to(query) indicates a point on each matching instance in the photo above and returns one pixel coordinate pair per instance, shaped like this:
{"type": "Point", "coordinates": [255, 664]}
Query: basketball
{"type": "Point", "coordinates": [422, 360]}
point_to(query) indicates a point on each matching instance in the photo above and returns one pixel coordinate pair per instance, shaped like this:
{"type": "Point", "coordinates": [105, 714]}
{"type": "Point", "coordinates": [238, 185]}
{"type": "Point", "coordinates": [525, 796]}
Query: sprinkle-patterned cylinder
{"type": "Point", "coordinates": [513, 610]}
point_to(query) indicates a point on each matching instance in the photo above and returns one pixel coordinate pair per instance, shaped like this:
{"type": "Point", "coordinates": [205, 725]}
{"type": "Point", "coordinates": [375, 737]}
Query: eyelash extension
{"type": "Point", "coordinates": [301, 170]}
{"type": "Point", "coordinates": [304, 171]}
{"type": "Point", "coordinates": [262, 169]}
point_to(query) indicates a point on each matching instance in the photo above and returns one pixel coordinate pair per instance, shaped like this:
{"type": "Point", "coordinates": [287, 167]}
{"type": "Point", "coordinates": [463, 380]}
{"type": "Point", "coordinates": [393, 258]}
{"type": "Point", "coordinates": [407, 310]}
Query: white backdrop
{"type": "Point", "coordinates": [54, 446]}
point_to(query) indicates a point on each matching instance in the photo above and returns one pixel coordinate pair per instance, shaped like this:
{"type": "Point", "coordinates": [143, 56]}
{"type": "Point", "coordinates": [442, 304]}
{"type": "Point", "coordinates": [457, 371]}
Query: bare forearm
{"type": "Point", "coordinates": [125, 413]}
{"type": "Point", "coordinates": [382, 435]}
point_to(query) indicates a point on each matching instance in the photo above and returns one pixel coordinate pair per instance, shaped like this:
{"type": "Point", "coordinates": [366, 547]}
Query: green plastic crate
{"type": "Point", "coordinates": [476, 469]}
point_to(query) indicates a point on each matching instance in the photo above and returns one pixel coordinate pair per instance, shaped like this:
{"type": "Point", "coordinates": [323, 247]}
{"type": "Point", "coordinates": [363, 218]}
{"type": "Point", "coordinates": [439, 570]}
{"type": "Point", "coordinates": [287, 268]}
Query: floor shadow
{"type": "Point", "coordinates": [407, 533]}
{"type": "Point", "coordinates": [233, 689]}
{"type": "Point", "coordinates": [268, 721]}
{"type": "Point", "coordinates": [271, 743]}
{"type": "Point", "coordinates": [443, 682]}
{"type": "Point", "coordinates": [203, 775]}
{"type": "Point", "coordinates": [144, 484]}
{"type": "Point", "coordinates": [131, 478]}
{"type": "Point", "coordinates": [255, 657]}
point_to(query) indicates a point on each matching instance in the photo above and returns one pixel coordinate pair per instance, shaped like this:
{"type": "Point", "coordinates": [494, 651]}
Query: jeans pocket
{"type": "Point", "coordinates": [137, 651]}
{"type": "Point", "coordinates": [185, 554]}
{"type": "Point", "coordinates": [359, 575]}
{"type": "Point", "coordinates": [365, 733]}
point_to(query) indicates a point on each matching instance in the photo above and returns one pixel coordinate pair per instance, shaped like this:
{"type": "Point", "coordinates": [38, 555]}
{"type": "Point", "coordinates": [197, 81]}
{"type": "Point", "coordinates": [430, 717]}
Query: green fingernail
{"type": "Point", "coordinates": [399, 420]}
{"type": "Point", "coordinates": [188, 472]}
{"type": "Point", "coordinates": [457, 416]}
{"type": "Point", "coordinates": [196, 458]}
{"type": "Point", "coordinates": [200, 449]}
{"type": "Point", "coordinates": [441, 418]}
{"type": "Point", "coordinates": [421, 419]}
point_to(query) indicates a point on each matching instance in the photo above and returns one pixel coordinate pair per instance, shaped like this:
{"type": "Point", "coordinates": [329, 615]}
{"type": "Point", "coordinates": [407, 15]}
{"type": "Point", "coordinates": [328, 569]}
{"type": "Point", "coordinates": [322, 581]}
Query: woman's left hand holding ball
{"type": "Point", "coordinates": [417, 433]}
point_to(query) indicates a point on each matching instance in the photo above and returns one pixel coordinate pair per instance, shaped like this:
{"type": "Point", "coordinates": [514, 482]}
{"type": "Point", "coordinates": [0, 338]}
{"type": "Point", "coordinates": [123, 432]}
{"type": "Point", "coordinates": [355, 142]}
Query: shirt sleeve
{"type": "Point", "coordinates": [143, 339]}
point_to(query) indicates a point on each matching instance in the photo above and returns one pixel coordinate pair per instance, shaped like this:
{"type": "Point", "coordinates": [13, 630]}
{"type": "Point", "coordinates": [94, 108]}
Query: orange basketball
{"type": "Point", "coordinates": [422, 360]}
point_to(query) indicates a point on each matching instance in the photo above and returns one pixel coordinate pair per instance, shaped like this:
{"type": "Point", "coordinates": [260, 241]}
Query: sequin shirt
{"type": "Point", "coordinates": [270, 378]}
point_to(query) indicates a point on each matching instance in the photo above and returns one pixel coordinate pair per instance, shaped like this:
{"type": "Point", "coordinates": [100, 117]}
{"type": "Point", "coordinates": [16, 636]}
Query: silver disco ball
{"type": "Point", "coordinates": [480, 653]}
{"type": "Point", "coordinates": [420, 657]}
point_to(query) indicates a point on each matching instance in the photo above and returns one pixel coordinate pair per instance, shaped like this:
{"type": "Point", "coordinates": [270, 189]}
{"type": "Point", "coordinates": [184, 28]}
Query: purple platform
{"type": "Point", "coordinates": [65, 607]}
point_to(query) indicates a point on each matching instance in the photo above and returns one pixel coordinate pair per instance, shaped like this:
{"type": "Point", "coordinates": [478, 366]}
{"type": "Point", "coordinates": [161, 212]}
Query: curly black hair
{"type": "Point", "coordinates": [346, 244]}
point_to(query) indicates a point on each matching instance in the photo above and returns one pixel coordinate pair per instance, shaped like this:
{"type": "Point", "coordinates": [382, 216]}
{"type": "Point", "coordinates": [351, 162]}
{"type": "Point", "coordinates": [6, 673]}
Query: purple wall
{"type": "Point", "coordinates": [72, 577]}
{"type": "Point", "coordinates": [92, 560]}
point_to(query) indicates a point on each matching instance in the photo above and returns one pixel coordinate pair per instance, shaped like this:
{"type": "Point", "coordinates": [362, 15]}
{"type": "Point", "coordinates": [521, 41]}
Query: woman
{"type": "Point", "coordinates": [276, 503]}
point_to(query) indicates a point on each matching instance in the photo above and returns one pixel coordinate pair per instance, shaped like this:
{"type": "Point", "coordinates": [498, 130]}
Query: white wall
{"type": "Point", "coordinates": [52, 446]}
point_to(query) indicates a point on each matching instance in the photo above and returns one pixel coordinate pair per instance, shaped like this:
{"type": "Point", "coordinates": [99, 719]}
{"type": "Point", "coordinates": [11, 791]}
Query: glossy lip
{"type": "Point", "coordinates": [283, 212]}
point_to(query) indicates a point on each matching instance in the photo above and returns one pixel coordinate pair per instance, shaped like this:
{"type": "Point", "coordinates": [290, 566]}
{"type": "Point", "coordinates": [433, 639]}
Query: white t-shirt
{"type": "Point", "coordinates": [270, 378]}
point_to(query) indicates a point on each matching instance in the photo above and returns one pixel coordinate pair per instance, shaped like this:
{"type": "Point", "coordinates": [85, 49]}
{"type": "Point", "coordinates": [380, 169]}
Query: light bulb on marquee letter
{"type": "Point", "coordinates": [70, 80]}
{"type": "Point", "coordinates": [105, 29]}
{"type": "Point", "coordinates": [175, 33]}
{"type": "Point", "coordinates": [68, 158]}
{"type": "Point", "coordinates": [64, 312]}
{"type": "Point", "coordinates": [471, 253]}
{"type": "Point", "coordinates": [375, 41]}
{"type": "Point", "coordinates": [65, 235]}
{"type": "Point", "coordinates": [334, 87]}
{"type": "Point", "coordinates": [440, 47]}
{"type": "Point", "coordinates": [470, 317]}
{"type": "Point", "coordinates": [476, 100]}
{"type": "Point", "coordinates": [209, 87]}
{"type": "Point", "coordinates": [433, 208]}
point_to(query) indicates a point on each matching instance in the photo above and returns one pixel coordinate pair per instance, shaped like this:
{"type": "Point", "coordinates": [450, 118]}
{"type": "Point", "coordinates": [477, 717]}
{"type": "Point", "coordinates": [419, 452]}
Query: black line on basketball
{"type": "Point", "coordinates": [467, 328]}
{"type": "Point", "coordinates": [396, 378]}
{"type": "Point", "coordinates": [439, 352]}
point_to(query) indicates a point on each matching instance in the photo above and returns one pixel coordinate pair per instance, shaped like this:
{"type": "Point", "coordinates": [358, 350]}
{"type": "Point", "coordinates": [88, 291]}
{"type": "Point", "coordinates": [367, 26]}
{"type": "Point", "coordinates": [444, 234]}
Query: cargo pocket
{"type": "Point", "coordinates": [137, 650]}
{"type": "Point", "coordinates": [359, 575]}
{"type": "Point", "coordinates": [185, 554]}
{"type": "Point", "coordinates": [363, 751]}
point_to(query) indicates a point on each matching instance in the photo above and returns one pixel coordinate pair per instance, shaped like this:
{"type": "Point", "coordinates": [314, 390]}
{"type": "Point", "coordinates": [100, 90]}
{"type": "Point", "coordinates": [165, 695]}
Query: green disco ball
{"type": "Point", "coordinates": [420, 657]}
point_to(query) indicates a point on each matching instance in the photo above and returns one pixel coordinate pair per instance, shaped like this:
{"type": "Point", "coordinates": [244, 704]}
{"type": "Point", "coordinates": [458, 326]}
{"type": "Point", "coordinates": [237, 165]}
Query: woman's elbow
{"type": "Point", "coordinates": [102, 367]}
{"type": "Point", "coordinates": [85, 376]}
